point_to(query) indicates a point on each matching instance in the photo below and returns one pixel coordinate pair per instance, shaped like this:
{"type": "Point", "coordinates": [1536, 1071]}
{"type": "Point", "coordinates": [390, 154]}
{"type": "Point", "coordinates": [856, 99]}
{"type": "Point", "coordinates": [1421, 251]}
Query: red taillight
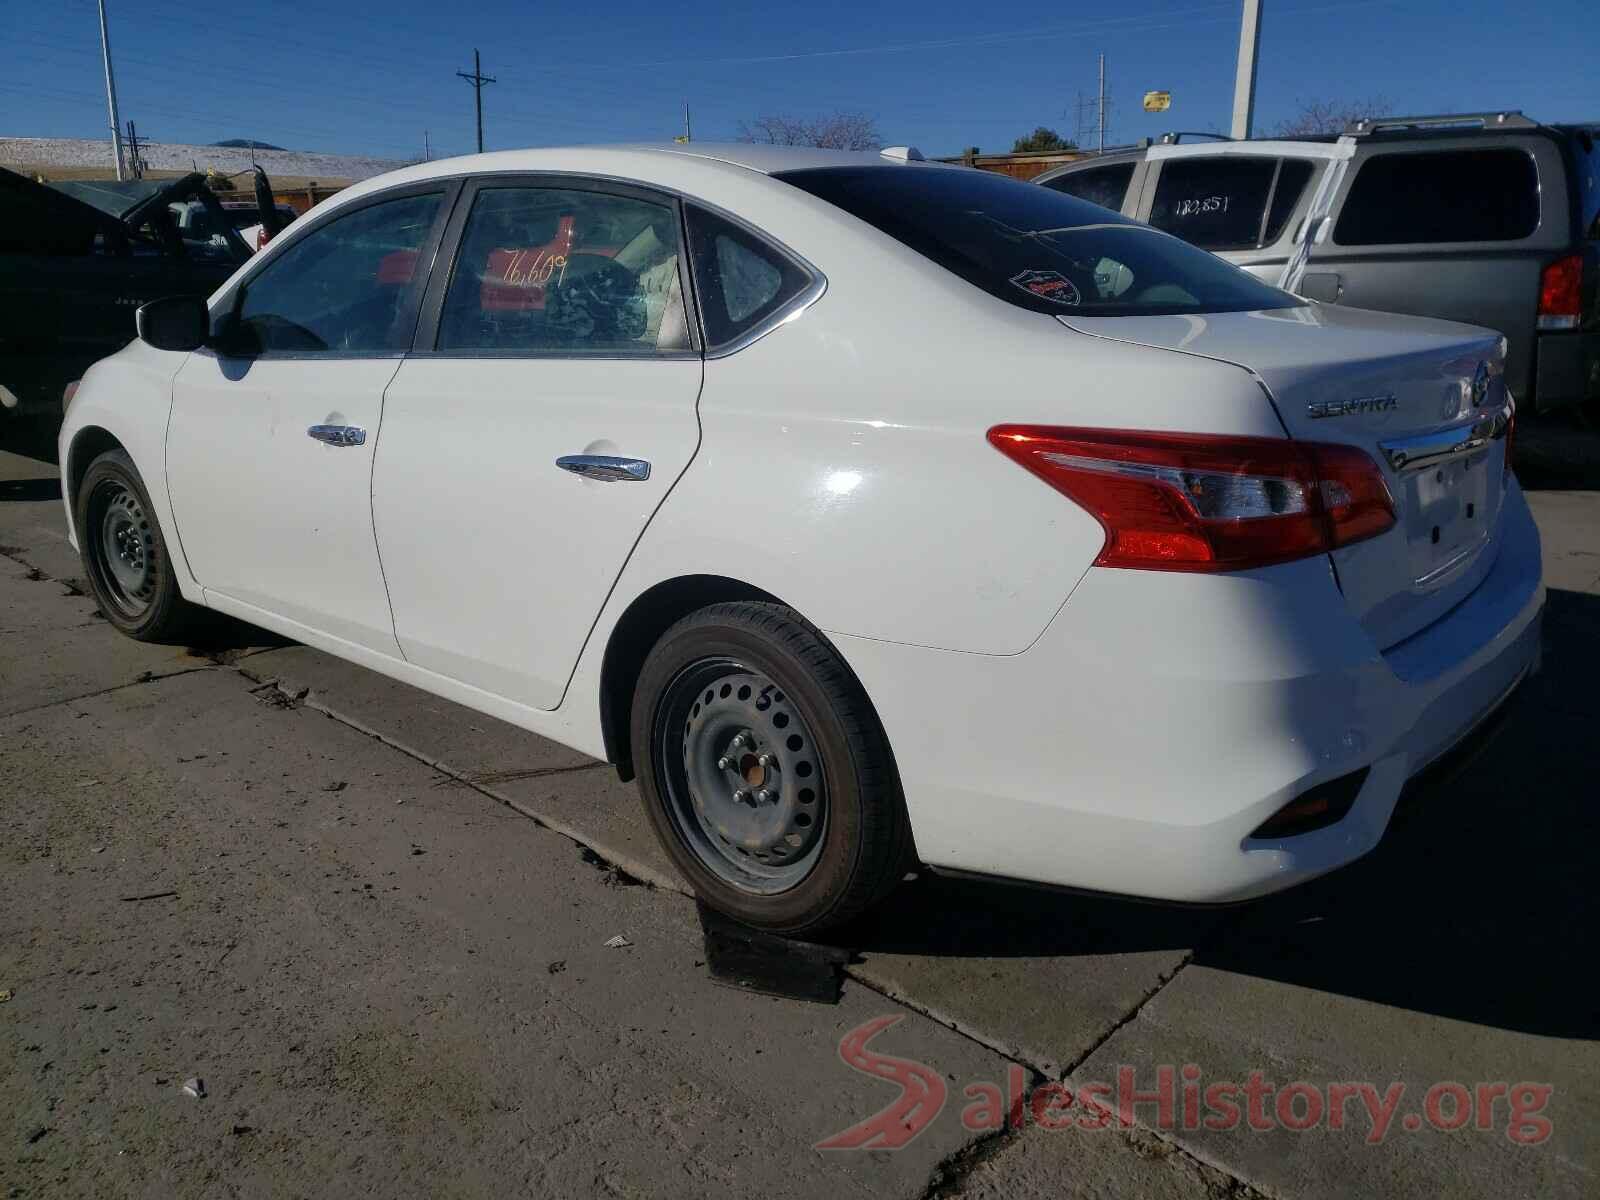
{"type": "Point", "coordinates": [1561, 293]}
{"type": "Point", "coordinates": [1196, 502]}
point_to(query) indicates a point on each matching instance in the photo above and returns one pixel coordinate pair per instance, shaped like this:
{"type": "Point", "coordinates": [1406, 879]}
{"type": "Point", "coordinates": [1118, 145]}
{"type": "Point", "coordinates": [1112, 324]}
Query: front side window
{"type": "Point", "coordinates": [545, 270]}
{"type": "Point", "coordinates": [1105, 186]}
{"type": "Point", "coordinates": [1037, 248]}
{"type": "Point", "coordinates": [1214, 203]}
{"type": "Point", "coordinates": [343, 288]}
{"type": "Point", "coordinates": [1441, 196]}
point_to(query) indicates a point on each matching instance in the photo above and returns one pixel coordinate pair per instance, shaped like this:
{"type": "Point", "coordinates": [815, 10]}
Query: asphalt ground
{"type": "Point", "coordinates": [375, 925]}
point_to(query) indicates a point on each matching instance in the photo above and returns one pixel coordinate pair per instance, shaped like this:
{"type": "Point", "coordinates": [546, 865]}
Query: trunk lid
{"type": "Point", "coordinates": [1426, 399]}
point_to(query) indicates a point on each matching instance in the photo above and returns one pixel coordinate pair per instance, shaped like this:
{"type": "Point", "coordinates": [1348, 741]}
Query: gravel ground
{"type": "Point", "coordinates": [77, 153]}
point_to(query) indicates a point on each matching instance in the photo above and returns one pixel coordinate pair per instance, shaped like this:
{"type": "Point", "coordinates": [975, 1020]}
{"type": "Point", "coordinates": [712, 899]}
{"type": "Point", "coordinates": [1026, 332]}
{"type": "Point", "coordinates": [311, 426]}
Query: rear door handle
{"type": "Point", "coordinates": [338, 435]}
{"type": "Point", "coordinates": [605, 467]}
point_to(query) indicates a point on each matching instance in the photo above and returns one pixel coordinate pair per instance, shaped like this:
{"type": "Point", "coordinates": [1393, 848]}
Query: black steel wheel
{"type": "Point", "coordinates": [124, 554]}
{"type": "Point", "coordinates": [765, 771]}
{"type": "Point", "coordinates": [747, 793]}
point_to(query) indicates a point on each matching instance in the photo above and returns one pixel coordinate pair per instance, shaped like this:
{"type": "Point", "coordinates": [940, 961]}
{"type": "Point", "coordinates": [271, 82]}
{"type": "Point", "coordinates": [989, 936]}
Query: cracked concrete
{"type": "Point", "coordinates": [1390, 970]}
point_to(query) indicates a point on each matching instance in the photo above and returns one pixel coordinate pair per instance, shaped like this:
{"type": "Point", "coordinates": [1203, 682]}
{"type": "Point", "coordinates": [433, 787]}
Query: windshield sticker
{"type": "Point", "coordinates": [1049, 285]}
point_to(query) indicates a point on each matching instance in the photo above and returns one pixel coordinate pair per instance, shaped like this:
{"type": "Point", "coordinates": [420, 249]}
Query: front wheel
{"type": "Point", "coordinates": [764, 770]}
{"type": "Point", "coordinates": [124, 553]}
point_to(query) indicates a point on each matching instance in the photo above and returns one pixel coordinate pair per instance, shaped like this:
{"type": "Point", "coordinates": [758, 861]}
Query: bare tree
{"type": "Point", "coordinates": [1314, 118]}
{"type": "Point", "coordinates": [835, 131]}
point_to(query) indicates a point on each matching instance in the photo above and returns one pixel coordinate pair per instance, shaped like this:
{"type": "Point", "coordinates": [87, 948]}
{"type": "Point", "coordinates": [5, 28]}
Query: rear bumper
{"type": "Point", "coordinates": [1161, 718]}
{"type": "Point", "coordinates": [1567, 369]}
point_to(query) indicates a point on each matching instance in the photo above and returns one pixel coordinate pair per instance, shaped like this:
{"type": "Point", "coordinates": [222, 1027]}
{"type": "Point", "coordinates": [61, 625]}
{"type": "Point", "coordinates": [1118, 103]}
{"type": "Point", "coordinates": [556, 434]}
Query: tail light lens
{"type": "Point", "coordinates": [1561, 293]}
{"type": "Point", "coordinates": [1195, 502]}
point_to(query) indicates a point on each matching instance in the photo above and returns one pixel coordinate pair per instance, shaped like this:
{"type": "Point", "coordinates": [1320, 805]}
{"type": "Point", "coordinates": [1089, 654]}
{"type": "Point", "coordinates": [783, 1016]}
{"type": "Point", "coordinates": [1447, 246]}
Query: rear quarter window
{"type": "Point", "coordinates": [1401, 198]}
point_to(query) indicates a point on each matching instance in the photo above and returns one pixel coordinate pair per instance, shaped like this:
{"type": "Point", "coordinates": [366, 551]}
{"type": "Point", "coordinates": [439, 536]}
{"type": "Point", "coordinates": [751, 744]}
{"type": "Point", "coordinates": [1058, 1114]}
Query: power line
{"type": "Point", "coordinates": [478, 79]}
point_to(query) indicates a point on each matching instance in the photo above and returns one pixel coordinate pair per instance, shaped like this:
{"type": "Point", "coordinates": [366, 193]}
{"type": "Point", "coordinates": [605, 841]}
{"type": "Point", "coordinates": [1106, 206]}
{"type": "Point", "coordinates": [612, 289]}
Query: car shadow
{"type": "Point", "coordinates": [15, 490]}
{"type": "Point", "coordinates": [31, 437]}
{"type": "Point", "coordinates": [1477, 905]}
{"type": "Point", "coordinates": [1557, 452]}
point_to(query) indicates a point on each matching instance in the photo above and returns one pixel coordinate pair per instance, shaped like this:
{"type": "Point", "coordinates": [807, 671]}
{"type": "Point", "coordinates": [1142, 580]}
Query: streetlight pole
{"type": "Point", "coordinates": [1244, 84]}
{"type": "Point", "coordinates": [111, 92]}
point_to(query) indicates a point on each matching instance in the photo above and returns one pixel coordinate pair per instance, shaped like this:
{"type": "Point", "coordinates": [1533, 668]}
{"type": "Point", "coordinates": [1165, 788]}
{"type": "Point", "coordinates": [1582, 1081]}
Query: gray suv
{"type": "Point", "coordinates": [1491, 219]}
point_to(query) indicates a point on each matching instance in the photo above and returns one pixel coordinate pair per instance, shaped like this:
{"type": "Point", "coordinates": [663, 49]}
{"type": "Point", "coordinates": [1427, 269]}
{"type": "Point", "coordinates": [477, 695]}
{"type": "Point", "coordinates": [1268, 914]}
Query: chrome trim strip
{"type": "Point", "coordinates": [1423, 450]}
{"type": "Point", "coordinates": [1470, 551]}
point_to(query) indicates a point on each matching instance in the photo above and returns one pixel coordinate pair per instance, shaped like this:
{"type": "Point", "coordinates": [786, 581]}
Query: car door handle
{"type": "Point", "coordinates": [605, 467]}
{"type": "Point", "coordinates": [338, 435]}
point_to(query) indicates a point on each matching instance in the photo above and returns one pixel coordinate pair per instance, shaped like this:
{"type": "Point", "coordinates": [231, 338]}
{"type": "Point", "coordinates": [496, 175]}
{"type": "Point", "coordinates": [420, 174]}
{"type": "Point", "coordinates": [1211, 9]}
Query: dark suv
{"type": "Point", "coordinates": [1491, 219]}
{"type": "Point", "coordinates": [76, 260]}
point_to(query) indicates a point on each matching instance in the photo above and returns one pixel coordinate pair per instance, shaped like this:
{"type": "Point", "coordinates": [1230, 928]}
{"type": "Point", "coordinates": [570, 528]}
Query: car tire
{"type": "Point", "coordinates": [765, 771]}
{"type": "Point", "coordinates": [125, 555]}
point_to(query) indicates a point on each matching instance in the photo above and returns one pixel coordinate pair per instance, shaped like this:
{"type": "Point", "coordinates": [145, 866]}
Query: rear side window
{"type": "Point", "coordinates": [566, 271]}
{"type": "Point", "coordinates": [1105, 186]}
{"type": "Point", "coordinates": [1215, 203]}
{"type": "Point", "coordinates": [1441, 196]}
{"type": "Point", "coordinates": [1037, 248]}
{"type": "Point", "coordinates": [742, 280]}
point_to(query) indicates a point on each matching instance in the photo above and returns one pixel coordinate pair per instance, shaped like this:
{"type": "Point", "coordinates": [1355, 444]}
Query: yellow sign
{"type": "Point", "coordinates": [1157, 101]}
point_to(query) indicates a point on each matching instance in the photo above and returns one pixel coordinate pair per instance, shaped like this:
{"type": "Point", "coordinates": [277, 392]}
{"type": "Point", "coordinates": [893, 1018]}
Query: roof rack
{"type": "Point", "coordinates": [1173, 139]}
{"type": "Point", "coordinates": [1506, 119]}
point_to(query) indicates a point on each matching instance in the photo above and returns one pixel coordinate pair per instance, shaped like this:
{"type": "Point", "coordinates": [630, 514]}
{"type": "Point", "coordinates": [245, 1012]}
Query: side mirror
{"type": "Point", "coordinates": [173, 323]}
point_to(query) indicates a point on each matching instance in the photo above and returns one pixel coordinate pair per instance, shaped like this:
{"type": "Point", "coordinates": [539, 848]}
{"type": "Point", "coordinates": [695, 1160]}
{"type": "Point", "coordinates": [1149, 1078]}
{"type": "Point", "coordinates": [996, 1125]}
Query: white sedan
{"type": "Point", "coordinates": [869, 512]}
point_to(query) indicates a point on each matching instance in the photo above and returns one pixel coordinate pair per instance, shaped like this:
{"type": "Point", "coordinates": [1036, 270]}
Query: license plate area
{"type": "Point", "coordinates": [1451, 508]}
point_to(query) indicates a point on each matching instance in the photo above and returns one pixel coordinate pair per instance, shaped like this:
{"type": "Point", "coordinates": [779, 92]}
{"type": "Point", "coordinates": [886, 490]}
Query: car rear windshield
{"type": "Point", "coordinates": [1228, 201]}
{"type": "Point", "coordinates": [1036, 248]}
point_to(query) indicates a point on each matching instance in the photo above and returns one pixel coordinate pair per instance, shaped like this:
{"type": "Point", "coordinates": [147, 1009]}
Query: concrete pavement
{"type": "Point", "coordinates": [1458, 952]}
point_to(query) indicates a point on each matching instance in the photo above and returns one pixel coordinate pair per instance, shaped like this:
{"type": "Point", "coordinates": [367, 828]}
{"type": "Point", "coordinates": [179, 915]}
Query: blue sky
{"type": "Point", "coordinates": [370, 78]}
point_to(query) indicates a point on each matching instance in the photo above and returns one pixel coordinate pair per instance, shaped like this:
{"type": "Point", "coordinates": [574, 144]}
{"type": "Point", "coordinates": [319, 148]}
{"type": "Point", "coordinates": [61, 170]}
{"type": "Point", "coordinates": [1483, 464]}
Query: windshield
{"type": "Point", "coordinates": [1036, 248]}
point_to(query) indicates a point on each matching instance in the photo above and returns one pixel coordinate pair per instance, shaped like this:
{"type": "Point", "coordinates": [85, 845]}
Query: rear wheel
{"type": "Point", "coordinates": [764, 770]}
{"type": "Point", "coordinates": [124, 554]}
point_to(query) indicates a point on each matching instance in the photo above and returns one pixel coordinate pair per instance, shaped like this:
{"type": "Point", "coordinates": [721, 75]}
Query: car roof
{"type": "Point", "coordinates": [628, 160]}
{"type": "Point", "coordinates": [766, 159]}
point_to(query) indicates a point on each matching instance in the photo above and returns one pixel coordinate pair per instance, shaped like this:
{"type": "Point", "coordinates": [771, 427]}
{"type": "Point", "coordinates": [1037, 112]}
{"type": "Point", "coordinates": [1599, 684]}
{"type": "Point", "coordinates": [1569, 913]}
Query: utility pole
{"type": "Point", "coordinates": [1244, 84]}
{"type": "Point", "coordinates": [477, 79]}
{"type": "Point", "coordinates": [135, 159]}
{"type": "Point", "coordinates": [1102, 104]}
{"type": "Point", "coordinates": [111, 93]}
